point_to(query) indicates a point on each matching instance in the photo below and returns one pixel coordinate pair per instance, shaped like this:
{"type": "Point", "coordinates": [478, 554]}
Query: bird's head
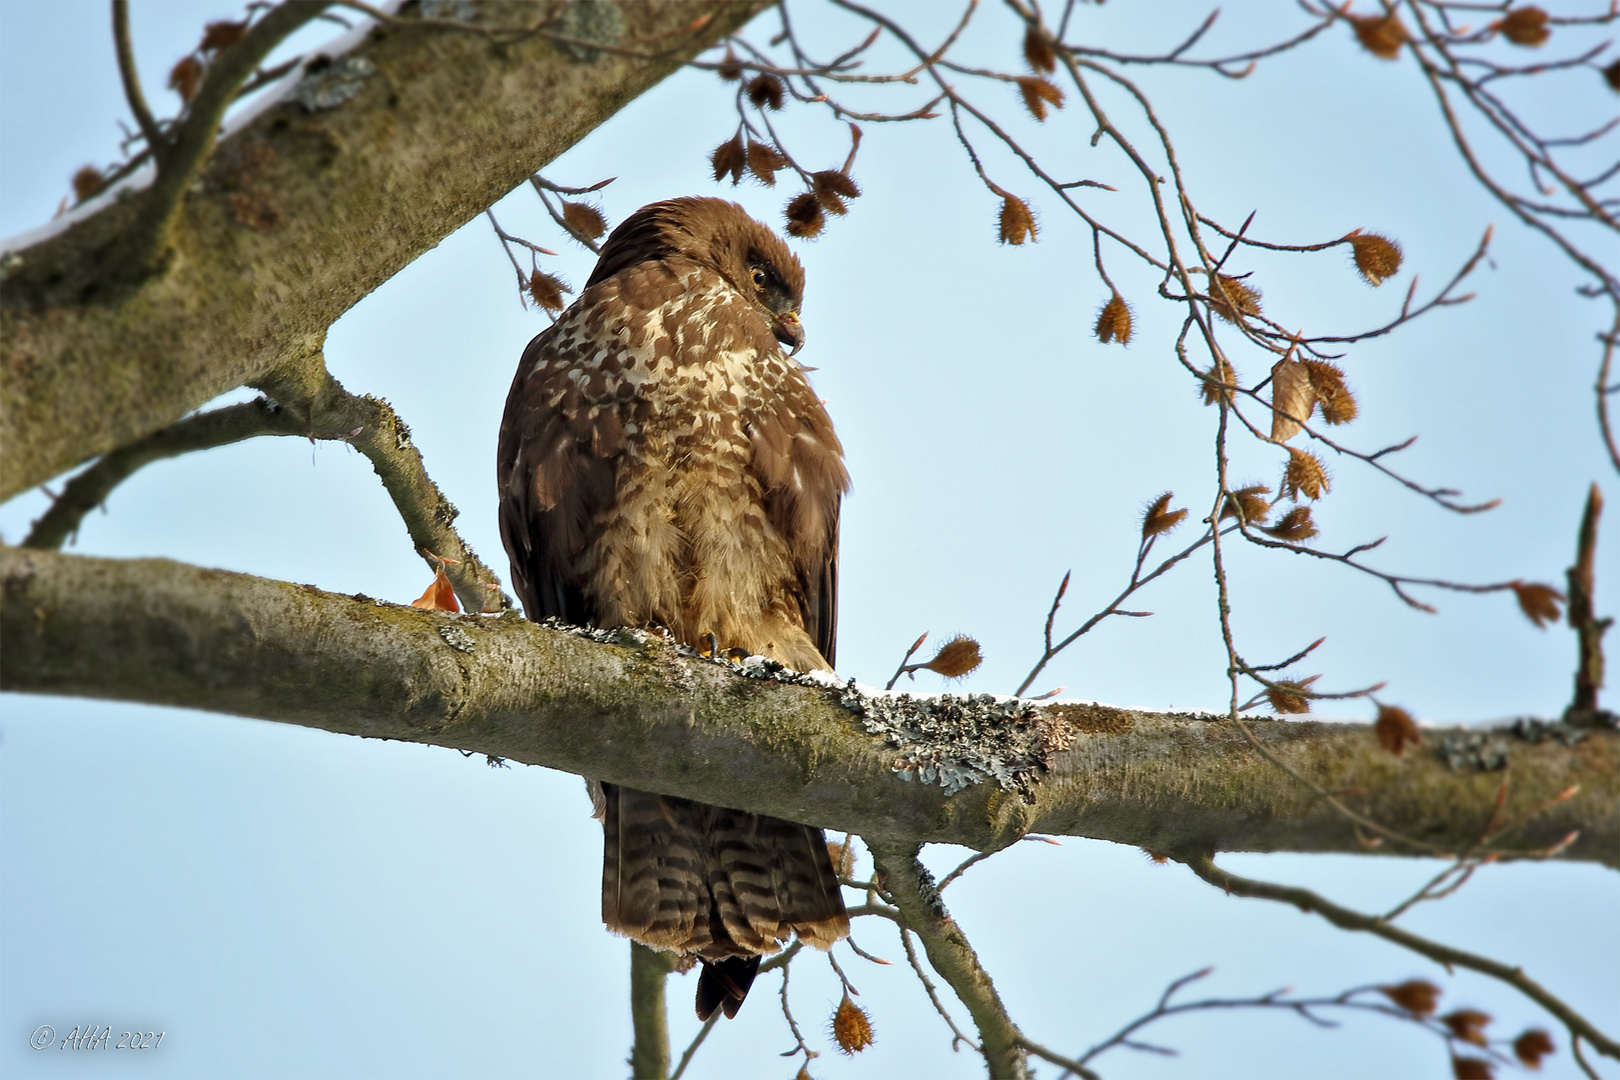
{"type": "Point", "coordinates": [722, 236]}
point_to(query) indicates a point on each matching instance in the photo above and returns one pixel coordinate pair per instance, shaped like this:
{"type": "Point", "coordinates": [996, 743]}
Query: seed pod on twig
{"type": "Point", "coordinates": [585, 219]}
{"type": "Point", "coordinates": [1292, 398]}
{"type": "Point", "coordinates": [851, 1027]}
{"type": "Point", "coordinates": [1038, 93]}
{"type": "Point", "coordinates": [831, 188]}
{"type": "Point", "coordinates": [763, 161]}
{"type": "Point", "coordinates": [1377, 257]}
{"type": "Point", "coordinates": [1114, 321]}
{"type": "Point", "coordinates": [1611, 75]}
{"type": "Point", "coordinates": [1327, 381]}
{"type": "Point", "coordinates": [1295, 527]}
{"type": "Point", "coordinates": [956, 658]}
{"type": "Point", "coordinates": [1526, 26]}
{"type": "Point", "coordinates": [1017, 222]}
{"type": "Point", "coordinates": [1219, 376]}
{"type": "Point", "coordinates": [729, 157]}
{"type": "Point", "coordinates": [1472, 1068]}
{"type": "Point", "coordinates": [804, 217]}
{"type": "Point", "coordinates": [843, 857]}
{"type": "Point", "coordinates": [1159, 518]}
{"type": "Point", "coordinates": [1238, 299]}
{"type": "Point", "coordinates": [1286, 698]}
{"type": "Point", "coordinates": [1395, 728]}
{"type": "Point", "coordinates": [1251, 500]}
{"type": "Point", "coordinates": [730, 68]}
{"type": "Point", "coordinates": [547, 291]}
{"type": "Point", "coordinates": [765, 90]}
{"type": "Point", "coordinates": [1038, 51]}
{"type": "Point", "coordinates": [1532, 1046]}
{"type": "Point", "coordinates": [87, 183]}
{"type": "Point", "coordinates": [1305, 475]}
{"type": "Point", "coordinates": [221, 35]}
{"type": "Point", "coordinates": [1468, 1025]}
{"type": "Point", "coordinates": [1538, 602]}
{"type": "Point", "coordinates": [1381, 35]}
{"type": "Point", "coordinates": [1417, 996]}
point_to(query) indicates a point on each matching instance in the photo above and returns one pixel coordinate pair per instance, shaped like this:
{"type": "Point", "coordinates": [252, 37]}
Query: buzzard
{"type": "Point", "coordinates": [664, 463]}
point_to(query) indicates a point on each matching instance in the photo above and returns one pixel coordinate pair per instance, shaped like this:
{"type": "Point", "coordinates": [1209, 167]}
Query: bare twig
{"type": "Point", "coordinates": [1589, 629]}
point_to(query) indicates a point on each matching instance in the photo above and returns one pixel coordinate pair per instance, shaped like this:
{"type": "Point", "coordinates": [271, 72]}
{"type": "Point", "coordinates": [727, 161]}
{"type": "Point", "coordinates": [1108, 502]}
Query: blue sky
{"type": "Point", "coordinates": [292, 903]}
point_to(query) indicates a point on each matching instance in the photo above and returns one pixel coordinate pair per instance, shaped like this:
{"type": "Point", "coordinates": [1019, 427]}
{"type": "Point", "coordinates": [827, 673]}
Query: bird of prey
{"type": "Point", "coordinates": [664, 463]}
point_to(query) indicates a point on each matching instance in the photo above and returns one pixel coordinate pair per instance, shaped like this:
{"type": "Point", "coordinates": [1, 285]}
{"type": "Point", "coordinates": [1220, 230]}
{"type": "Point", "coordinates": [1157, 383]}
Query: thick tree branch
{"type": "Point", "coordinates": [445, 125]}
{"type": "Point", "coordinates": [908, 882]}
{"type": "Point", "coordinates": [1306, 900]}
{"type": "Point", "coordinates": [142, 248]}
{"type": "Point", "coordinates": [643, 714]}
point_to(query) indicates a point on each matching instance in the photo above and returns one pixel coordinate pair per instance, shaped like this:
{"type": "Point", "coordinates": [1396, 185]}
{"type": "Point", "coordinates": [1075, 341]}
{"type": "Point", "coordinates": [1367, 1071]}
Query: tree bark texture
{"type": "Point", "coordinates": [643, 713]}
{"type": "Point", "coordinates": [298, 216]}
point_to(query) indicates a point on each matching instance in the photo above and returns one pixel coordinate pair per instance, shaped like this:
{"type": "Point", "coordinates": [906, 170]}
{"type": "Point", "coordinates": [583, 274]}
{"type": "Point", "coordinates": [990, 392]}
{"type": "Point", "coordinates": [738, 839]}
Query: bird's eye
{"type": "Point", "coordinates": [759, 277]}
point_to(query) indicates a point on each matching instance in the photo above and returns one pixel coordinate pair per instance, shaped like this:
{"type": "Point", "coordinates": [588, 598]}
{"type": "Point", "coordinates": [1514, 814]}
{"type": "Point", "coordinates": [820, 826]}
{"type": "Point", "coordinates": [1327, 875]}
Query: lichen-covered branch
{"type": "Point", "coordinates": [291, 221]}
{"type": "Point", "coordinates": [372, 427]}
{"type": "Point", "coordinates": [647, 714]}
{"type": "Point", "coordinates": [1306, 900]}
{"type": "Point", "coordinates": [649, 1016]}
{"type": "Point", "coordinates": [950, 954]}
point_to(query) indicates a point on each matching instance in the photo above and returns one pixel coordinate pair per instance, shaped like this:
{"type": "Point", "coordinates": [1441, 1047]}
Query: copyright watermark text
{"type": "Point", "coordinates": [93, 1037]}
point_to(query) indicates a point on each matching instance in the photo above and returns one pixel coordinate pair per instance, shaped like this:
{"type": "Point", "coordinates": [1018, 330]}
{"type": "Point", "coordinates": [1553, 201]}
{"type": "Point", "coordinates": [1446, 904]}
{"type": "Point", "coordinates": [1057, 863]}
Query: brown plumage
{"type": "Point", "coordinates": [664, 463]}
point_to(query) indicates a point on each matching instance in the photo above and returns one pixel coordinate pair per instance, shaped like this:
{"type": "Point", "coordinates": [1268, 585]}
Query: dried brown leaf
{"type": "Point", "coordinates": [186, 77]}
{"type": "Point", "coordinates": [440, 596]}
{"type": "Point", "coordinates": [1396, 729]}
{"type": "Point", "coordinates": [1538, 602]}
{"type": "Point", "coordinates": [1292, 398]}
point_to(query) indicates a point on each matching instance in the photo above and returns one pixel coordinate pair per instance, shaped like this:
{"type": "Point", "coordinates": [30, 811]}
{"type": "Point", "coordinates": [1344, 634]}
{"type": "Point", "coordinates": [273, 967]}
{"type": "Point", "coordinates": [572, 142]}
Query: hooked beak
{"type": "Point", "coordinates": [789, 331]}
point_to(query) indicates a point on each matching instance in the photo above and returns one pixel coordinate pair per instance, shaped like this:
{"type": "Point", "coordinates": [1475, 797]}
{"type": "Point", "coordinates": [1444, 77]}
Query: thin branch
{"type": "Point", "coordinates": [132, 79]}
{"type": "Point", "coordinates": [1306, 900]}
